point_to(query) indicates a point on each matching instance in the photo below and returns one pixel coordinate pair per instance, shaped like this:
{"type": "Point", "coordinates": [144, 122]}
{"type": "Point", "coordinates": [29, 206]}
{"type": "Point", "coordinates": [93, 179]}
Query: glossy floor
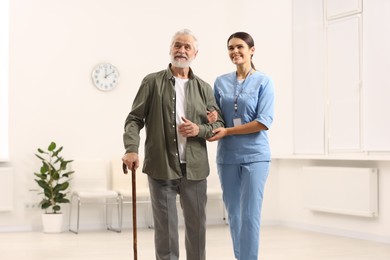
{"type": "Point", "coordinates": [277, 243]}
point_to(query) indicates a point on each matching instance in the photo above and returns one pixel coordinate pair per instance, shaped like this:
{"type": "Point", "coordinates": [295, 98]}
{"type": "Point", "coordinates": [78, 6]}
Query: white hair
{"type": "Point", "coordinates": [186, 32]}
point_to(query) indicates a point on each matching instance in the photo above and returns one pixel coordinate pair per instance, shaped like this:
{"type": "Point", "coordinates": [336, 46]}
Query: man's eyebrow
{"type": "Point", "coordinates": [182, 43]}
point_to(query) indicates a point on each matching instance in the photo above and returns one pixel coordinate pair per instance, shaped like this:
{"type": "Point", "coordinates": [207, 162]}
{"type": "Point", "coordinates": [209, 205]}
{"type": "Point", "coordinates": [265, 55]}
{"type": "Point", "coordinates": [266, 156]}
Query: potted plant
{"type": "Point", "coordinates": [53, 178]}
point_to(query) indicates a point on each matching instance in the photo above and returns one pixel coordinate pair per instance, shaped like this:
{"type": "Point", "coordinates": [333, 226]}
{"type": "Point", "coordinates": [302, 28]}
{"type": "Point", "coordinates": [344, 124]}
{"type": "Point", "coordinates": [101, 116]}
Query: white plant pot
{"type": "Point", "coordinates": [52, 223]}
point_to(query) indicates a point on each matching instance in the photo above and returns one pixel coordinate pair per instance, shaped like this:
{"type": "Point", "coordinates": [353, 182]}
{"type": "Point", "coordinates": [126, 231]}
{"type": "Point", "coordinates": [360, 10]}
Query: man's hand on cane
{"type": "Point", "coordinates": [131, 161]}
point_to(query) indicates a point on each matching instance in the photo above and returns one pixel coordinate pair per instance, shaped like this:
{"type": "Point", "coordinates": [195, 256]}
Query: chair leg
{"type": "Point", "coordinates": [78, 215]}
{"type": "Point", "coordinates": [118, 206]}
{"type": "Point", "coordinates": [109, 225]}
{"type": "Point", "coordinates": [149, 211]}
{"type": "Point", "coordinates": [120, 212]}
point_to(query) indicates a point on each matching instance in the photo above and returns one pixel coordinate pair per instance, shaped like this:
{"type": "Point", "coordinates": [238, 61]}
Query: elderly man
{"type": "Point", "coordinates": [172, 104]}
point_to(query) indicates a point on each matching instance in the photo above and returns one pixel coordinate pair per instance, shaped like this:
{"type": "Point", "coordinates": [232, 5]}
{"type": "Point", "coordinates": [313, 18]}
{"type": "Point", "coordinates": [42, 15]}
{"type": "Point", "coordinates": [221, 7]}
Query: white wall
{"type": "Point", "coordinates": [54, 45]}
{"type": "Point", "coordinates": [312, 138]}
{"type": "Point", "coordinates": [290, 202]}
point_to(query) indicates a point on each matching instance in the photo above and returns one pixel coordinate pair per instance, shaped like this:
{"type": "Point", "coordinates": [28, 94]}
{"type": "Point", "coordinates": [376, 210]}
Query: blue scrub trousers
{"type": "Point", "coordinates": [243, 188]}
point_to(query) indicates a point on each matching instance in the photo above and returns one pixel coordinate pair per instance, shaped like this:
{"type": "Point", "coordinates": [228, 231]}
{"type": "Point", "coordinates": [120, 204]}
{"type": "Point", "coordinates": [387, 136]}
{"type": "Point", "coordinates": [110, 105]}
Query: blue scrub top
{"type": "Point", "coordinates": [255, 101]}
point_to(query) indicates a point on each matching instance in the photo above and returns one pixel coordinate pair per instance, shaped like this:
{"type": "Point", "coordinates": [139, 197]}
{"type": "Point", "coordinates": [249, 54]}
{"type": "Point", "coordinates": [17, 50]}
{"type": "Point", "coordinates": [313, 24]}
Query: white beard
{"type": "Point", "coordinates": [181, 64]}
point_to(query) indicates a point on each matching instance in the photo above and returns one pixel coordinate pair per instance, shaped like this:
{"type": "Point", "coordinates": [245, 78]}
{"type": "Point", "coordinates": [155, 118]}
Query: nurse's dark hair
{"type": "Point", "coordinates": [246, 38]}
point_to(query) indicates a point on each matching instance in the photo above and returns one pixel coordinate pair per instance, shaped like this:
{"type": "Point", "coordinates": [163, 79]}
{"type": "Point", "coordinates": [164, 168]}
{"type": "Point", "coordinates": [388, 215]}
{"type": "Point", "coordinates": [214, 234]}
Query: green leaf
{"type": "Point", "coordinates": [60, 187]}
{"type": "Point", "coordinates": [48, 193]}
{"type": "Point", "coordinates": [40, 175]}
{"type": "Point", "coordinates": [43, 184]}
{"type": "Point", "coordinates": [49, 176]}
{"type": "Point", "coordinates": [45, 205]}
{"type": "Point", "coordinates": [67, 174]}
{"type": "Point", "coordinates": [58, 151]}
{"type": "Point", "coordinates": [55, 176]}
{"type": "Point", "coordinates": [40, 157]}
{"type": "Point", "coordinates": [58, 160]}
{"type": "Point", "coordinates": [44, 168]}
{"type": "Point", "coordinates": [63, 201]}
{"type": "Point", "coordinates": [52, 146]}
{"type": "Point", "coordinates": [56, 208]}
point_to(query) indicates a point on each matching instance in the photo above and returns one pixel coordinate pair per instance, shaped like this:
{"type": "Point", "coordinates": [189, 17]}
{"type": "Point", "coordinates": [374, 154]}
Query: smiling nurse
{"type": "Point", "coordinates": [246, 99]}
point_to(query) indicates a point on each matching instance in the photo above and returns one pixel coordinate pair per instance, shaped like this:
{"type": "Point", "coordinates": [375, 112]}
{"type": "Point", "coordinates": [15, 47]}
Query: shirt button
{"type": "Point", "coordinates": [173, 125]}
{"type": "Point", "coordinates": [174, 140]}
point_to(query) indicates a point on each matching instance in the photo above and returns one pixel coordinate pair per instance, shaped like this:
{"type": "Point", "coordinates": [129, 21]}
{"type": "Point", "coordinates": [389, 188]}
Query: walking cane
{"type": "Point", "coordinates": [134, 194]}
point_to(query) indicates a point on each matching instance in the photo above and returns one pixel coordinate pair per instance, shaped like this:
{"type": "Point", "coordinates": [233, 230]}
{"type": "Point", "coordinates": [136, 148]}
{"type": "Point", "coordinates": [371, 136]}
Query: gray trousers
{"type": "Point", "coordinates": [193, 201]}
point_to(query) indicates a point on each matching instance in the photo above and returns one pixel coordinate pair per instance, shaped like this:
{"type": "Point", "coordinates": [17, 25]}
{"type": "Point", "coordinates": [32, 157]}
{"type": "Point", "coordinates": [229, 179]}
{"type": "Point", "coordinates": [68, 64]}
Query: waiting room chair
{"type": "Point", "coordinates": [90, 186]}
{"type": "Point", "coordinates": [121, 183]}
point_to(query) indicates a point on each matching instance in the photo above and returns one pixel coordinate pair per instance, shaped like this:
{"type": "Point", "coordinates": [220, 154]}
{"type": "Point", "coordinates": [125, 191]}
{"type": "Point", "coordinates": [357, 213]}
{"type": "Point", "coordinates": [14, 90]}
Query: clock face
{"type": "Point", "coordinates": [105, 76]}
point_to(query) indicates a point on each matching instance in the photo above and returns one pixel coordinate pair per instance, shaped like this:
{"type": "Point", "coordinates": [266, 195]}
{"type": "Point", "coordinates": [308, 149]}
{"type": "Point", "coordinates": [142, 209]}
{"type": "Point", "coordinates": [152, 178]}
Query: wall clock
{"type": "Point", "coordinates": [105, 76]}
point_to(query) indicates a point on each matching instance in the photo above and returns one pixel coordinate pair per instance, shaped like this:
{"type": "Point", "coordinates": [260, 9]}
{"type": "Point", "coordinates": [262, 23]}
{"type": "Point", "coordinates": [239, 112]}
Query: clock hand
{"type": "Point", "coordinates": [108, 74]}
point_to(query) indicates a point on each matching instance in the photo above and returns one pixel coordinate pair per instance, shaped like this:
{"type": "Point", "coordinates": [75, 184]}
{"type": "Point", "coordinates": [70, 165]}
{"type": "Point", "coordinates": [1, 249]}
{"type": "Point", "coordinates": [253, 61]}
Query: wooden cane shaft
{"type": "Point", "coordinates": [134, 197]}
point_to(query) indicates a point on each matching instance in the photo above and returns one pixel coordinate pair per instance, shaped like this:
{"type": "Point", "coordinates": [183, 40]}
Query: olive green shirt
{"type": "Point", "coordinates": [154, 107]}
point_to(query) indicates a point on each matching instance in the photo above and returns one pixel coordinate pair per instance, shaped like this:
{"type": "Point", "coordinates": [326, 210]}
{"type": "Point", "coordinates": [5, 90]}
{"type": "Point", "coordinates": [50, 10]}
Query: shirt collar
{"type": "Point", "coordinates": [170, 75]}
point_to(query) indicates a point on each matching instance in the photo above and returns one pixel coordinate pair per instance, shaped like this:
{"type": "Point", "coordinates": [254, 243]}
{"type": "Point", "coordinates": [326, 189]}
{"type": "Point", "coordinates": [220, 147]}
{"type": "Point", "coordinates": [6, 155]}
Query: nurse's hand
{"type": "Point", "coordinates": [218, 134]}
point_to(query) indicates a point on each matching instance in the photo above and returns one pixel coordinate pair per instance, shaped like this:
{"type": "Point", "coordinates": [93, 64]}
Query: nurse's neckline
{"type": "Point", "coordinates": [242, 76]}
